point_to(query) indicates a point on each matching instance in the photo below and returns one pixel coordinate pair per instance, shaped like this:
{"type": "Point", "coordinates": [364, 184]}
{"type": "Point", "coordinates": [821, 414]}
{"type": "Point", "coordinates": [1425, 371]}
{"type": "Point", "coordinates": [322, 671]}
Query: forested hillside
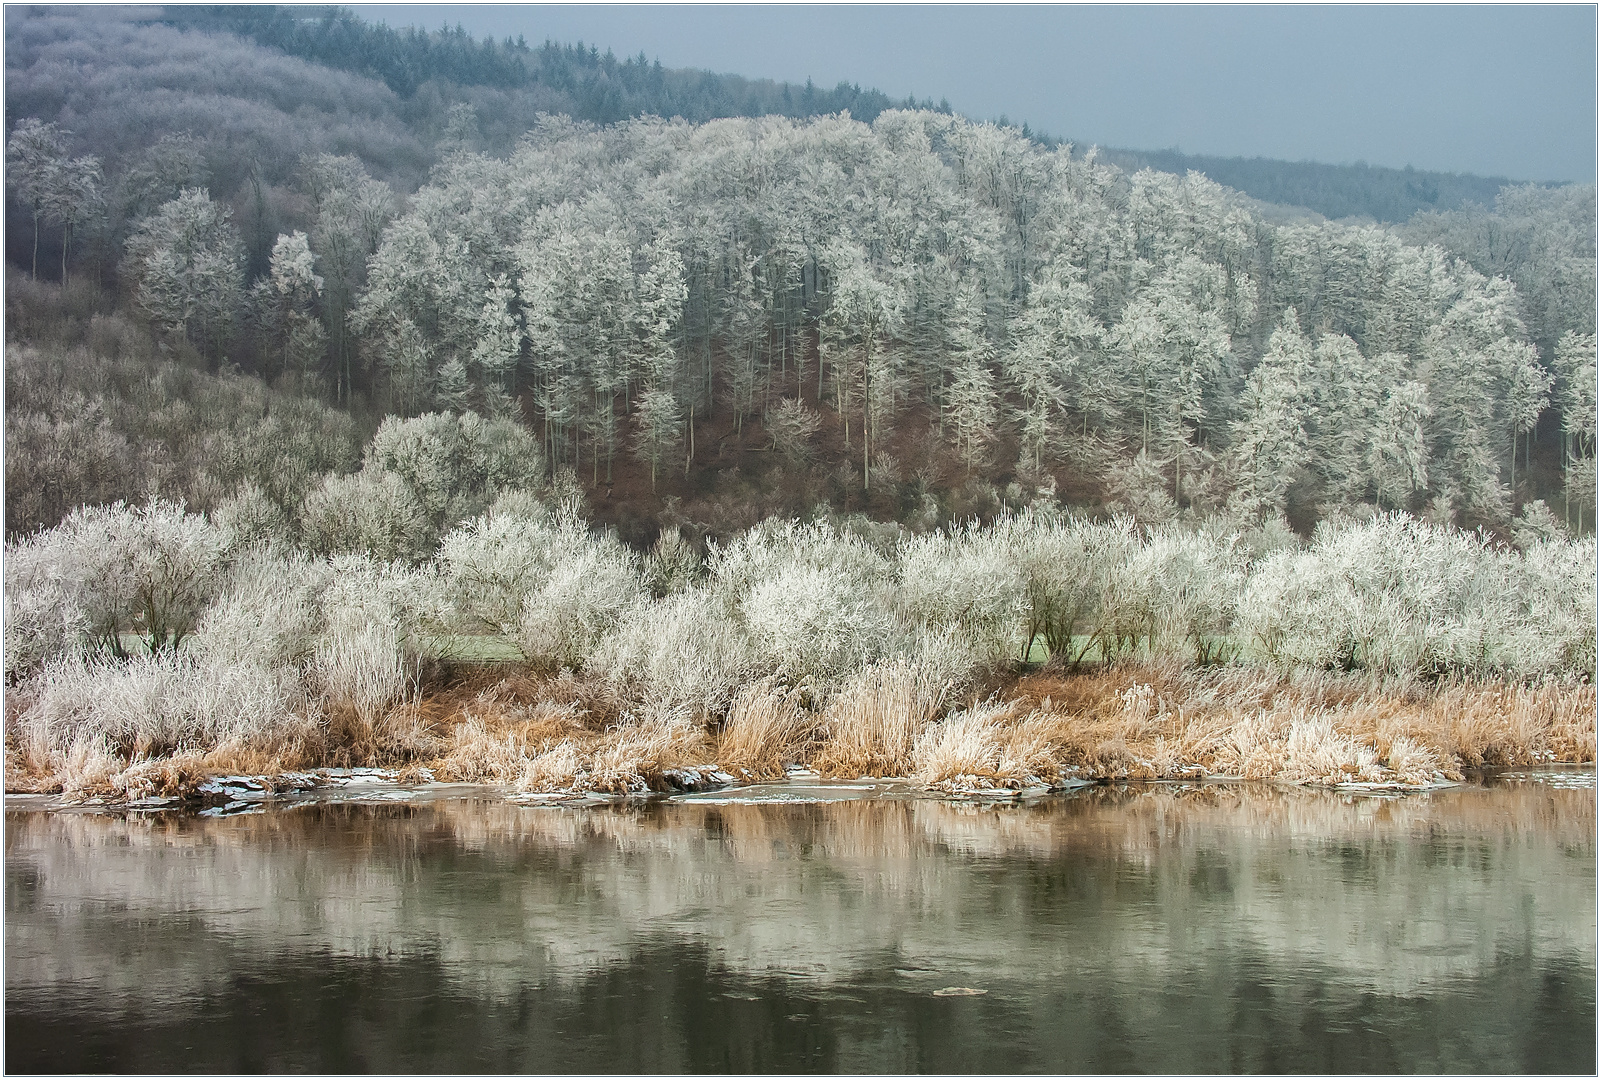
{"type": "Point", "coordinates": [748, 440]}
{"type": "Point", "coordinates": [920, 319]}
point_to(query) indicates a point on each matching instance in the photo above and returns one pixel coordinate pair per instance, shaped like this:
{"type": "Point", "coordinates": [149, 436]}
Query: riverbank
{"type": "Point", "coordinates": [568, 736]}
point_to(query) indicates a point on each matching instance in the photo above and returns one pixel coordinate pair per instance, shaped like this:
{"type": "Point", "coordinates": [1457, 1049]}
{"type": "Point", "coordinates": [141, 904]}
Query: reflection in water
{"type": "Point", "coordinates": [1214, 928]}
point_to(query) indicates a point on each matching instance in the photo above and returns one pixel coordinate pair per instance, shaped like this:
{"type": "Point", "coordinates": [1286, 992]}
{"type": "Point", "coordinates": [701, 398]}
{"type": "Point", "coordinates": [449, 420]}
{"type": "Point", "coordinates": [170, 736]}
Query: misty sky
{"type": "Point", "coordinates": [1503, 90]}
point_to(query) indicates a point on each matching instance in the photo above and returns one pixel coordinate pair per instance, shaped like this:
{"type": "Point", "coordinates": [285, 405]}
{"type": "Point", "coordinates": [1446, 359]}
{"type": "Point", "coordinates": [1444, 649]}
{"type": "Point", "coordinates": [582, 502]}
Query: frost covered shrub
{"type": "Point", "coordinates": [1065, 566]}
{"type": "Point", "coordinates": [47, 603]}
{"type": "Point", "coordinates": [1554, 623]}
{"type": "Point", "coordinates": [366, 513]}
{"type": "Point", "coordinates": [455, 465]}
{"type": "Point", "coordinates": [815, 603]}
{"type": "Point", "coordinates": [1404, 596]}
{"type": "Point", "coordinates": [106, 569]}
{"type": "Point", "coordinates": [152, 705]}
{"type": "Point", "coordinates": [1192, 580]}
{"type": "Point", "coordinates": [970, 582]}
{"type": "Point", "coordinates": [808, 624]}
{"type": "Point", "coordinates": [683, 651]}
{"type": "Point", "coordinates": [236, 678]}
{"type": "Point", "coordinates": [544, 581]}
{"type": "Point", "coordinates": [581, 600]}
{"type": "Point", "coordinates": [672, 564]}
{"type": "Point", "coordinates": [1127, 612]}
{"type": "Point", "coordinates": [265, 613]}
{"type": "Point", "coordinates": [359, 658]}
{"type": "Point", "coordinates": [250, 516]}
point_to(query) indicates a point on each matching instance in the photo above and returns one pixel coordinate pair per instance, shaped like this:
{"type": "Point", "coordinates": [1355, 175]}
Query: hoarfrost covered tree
{"type": "Point", "coordinates": [286, 307]}
{"type": "Point", "coordinates": [498, 351]}
{"type": "Point", "coordinates": [1474, 358]}
{"type": "Point", "coordinates": [1576, 390]}
{"type": "Point", "coordinates": [1270, 438]}
{"type": "Point", "coordinates": [1051, 363]}
{"type": "Point", "coordinates": [659, 421]}
{"type": "Point", "coordinates": [813, 602]}
{"type": "Point", "coordinates": [863, 313]}
{"type": "Point", "coordinates": [792, 423]}
{"type": "Point", "coordinates": [36, 164]}
{"type": "Point", "coordinates": [186, 266]}
{"type": "Point", "coordinates": [76, 202]}
{"type": "Point", "coordinates": [544, 581]}
{"type": "Point", "coordinates": [366, 513]}
{"type": "Point", "coordinates": [350, 211]}
{"type": "Point", "coordinates": [972, 404]}
{"type": "Point", "coordinates": [456, 465]}
{"type": "Point", "coordinates": [106, 570]}
{"type": "Point", "coordinates": [174, 163]}
{"type": "Point", "coordinates": [1398, 456]}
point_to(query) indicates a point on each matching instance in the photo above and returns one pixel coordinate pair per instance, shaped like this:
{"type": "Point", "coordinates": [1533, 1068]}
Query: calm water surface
{"type": "Point", "coordinates": [1159, 928]}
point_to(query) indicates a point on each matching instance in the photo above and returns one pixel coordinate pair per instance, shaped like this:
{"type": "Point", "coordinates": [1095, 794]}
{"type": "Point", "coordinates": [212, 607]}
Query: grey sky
{"type": "Point", "coordinates": [1498, 90]}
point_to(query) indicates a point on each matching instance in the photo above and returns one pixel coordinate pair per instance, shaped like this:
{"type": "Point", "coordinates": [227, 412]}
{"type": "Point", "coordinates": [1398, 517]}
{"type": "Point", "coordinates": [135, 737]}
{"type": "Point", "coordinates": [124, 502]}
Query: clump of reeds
{"type": "Point", "coordinates": [871, 726]}
{"type": "Point", "coordinates": [495, 744]}
{"type": "Point", "coordinates": [767, 728]}
{"type": "Point", "coordinates": [980, 748]}
{"type": "Point", "coordinates": [636, 752]}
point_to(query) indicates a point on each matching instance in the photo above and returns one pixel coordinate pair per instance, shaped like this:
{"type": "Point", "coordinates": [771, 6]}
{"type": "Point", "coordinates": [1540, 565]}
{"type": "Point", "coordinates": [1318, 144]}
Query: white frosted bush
{"type": "Point", "coordinates": [971, 582]}
{"type": "Point", "coordinates": [945, 658]}
{"type": "Point", "coordinates": [1066, 565]}
{"type": "Point", "coordinates": [1127, 610]}
{"type": "Point", "coordinates": [546, 583]}
{"type": "Point", "coordinates": [586, 593]}
{"type": "Point", "coordinates": [266, 613]}
{"type": "Point", "coordinates": [683, 651]}
{"type": "Point", "coordinates": [491, 564]}
{"type": "Point", "coordinates": [1192, 580]}
{"type": "Point", "coordinates": [806, 623]}
{"type": "Point", "coordinates": [1404, 596]}
{"type": "Point", "coordinates": [46, 609]}
{"type": "Point", "coordinates": [763, 551]}
{"type": "Point", "coordinates": [358, 659]}
{"type": "Point", "coordinates": [1555, 624]}
{"type": "Point", "coordinates": [368, 513]}
{"type": "Point", "coordinates": [360, 666]}
{"type": "Point", "coordinates": [672, 565]}
{"type": "Point", "coordinates": [454, 465]}
{"type": "Point", "coordinates": [159, 704]}
{"type": "Point", "coordinates": [149, 569]}
{"type": "Point", "coordinates": [814, 602]}
{"type": "Point", "coordinates": [250, 516]}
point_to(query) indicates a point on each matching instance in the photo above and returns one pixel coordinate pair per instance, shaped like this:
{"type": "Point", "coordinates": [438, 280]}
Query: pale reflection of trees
{"type": "Point", "coordinates": [1391, 894]}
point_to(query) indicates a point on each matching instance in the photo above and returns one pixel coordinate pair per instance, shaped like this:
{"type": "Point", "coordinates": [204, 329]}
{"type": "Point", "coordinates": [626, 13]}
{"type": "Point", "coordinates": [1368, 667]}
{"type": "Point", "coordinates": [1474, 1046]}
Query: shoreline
{"type": "Point", "coordinates": [233, 796]}
{"type": "Point", "coordinates": [564, 740]}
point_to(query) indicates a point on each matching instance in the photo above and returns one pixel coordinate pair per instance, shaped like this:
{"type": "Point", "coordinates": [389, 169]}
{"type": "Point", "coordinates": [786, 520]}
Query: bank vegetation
{"type": "Point", "coordinates": [148, 648]}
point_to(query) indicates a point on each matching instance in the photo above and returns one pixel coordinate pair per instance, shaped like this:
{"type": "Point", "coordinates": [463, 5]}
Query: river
{"type": "Point", "coordinates": [1211, 927]}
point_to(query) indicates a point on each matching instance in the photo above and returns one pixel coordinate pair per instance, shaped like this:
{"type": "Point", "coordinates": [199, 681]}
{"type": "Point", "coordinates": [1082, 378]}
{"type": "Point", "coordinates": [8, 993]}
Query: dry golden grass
{"type": "Point", "coordinates": [1135, 722]}
{"type": "Point", "coordinates": [634, 755]}
{"type": "Point", "coordinates": [871, 726]}
{"type": "Point", "coordinates": [1150, 721]}
{"type": "Point", "coordinates": [767, 728]}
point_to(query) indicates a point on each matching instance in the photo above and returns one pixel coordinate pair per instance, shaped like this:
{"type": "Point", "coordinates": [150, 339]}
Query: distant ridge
{"type": "Point", "coordinates": [592, 85]}
{"type": "Point", "coordinates": [586, 82]}
{"type": "Point", "coordinates": [1335, 191]}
